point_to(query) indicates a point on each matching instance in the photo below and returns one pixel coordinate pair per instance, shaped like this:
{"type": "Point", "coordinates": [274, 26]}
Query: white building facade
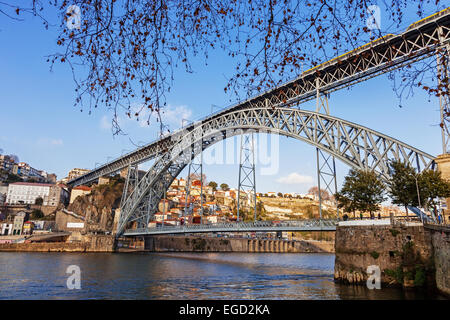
{"type": "Point", "coordinates": [27, 193]}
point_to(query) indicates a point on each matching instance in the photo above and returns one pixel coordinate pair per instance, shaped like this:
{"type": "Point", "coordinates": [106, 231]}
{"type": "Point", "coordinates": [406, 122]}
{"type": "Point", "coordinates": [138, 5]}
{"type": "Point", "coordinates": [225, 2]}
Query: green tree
{"type": "Point", "coordinates": [10, 177]}
{"type": "Point", "coordinates": [37, 214]}
{"type": "Point", "coordinates": [345, 203]}
{"type": "Point", "coordinates": [260, 211]}
{"type": "Point", "coordinates": [224, 187]}
{"type": "Point", "coordinates": [39, 201]}
{"type": "Point", "coordinates": [432, 187]}
{"type": "Point", "coordinates": [363, 190]}
{"type": "Point", "coordinates": [402, 184]}
{"type": "Point", "coordinates": [213, 185]}
{"type": "Point", "coordinates": [371, 191]}
{"type": "Point", "coordinates": [280, 195]}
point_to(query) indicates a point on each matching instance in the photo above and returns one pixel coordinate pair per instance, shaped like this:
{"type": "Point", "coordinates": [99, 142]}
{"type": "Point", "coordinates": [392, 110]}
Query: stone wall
{"type": "Point", "coordinates": [64, 217]}
{"type": "Point", "coordinates": [403, 253]}
{"type": "Point", "coordinates": [204, 244]}
{"type": "Point", "coordinates": [44, 247]}
{"type": "Point", "coordinates": [100, 243]}
{"type": "Point", "coordinates": [440, 239]}
{"type": "Point", "coordinates": [86, 243]}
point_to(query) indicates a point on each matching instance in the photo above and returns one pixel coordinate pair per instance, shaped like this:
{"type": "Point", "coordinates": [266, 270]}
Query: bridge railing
{"type": "Point", "coordinates": [237, 226]}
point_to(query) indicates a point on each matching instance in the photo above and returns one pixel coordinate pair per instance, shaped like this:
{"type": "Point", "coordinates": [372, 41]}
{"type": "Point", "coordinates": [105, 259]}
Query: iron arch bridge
{"type": "Point", "coordinates": [355, 145]}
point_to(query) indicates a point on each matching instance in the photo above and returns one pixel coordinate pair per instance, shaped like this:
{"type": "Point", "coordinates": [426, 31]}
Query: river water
{"type": "Point", "coordinates": [181, 276]}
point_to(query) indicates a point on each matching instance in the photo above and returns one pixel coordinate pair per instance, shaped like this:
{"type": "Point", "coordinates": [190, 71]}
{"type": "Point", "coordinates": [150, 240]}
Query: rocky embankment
{"type": "Point", "coordinates": [97, 207]}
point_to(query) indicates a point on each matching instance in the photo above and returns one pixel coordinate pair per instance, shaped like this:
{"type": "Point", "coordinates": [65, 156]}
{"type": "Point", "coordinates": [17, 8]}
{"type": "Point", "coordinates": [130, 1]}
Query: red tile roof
{"type": "Point", "coordinates": [84, 188]}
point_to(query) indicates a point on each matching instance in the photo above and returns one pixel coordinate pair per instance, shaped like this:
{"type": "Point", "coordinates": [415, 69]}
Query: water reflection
{"type": "Point", "coordinates": [180, 276]}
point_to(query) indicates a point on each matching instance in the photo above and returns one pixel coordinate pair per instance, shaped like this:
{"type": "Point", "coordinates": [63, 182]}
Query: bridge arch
{"type": "Point", "coordinates": [355, 145]}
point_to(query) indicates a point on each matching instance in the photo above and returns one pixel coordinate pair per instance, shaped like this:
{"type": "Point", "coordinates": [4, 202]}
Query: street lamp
{"type": "Point", "coordinates": [418, 197]}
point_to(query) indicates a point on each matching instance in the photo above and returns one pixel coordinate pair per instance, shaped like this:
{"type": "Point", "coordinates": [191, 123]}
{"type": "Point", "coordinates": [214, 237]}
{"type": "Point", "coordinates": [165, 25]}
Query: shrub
{"type": "Point", "coordinates": [397, 274]}
{"type": "Point", "coordinates": [394, 232]}
{"type": "Point", "coordinates": [420, 276]}
{"type": "Point", "coordinates": [37, 214]}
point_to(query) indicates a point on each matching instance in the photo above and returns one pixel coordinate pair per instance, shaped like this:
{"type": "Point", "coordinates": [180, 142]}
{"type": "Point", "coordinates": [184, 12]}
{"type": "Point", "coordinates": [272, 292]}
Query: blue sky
{"type": "Point", "coordinates": [39, 123]}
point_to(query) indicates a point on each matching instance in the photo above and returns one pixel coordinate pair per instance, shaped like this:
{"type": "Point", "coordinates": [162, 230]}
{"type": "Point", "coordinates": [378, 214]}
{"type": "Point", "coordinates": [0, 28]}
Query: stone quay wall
{"type": "Point", "coordinates": [88, 243]}
{"type": "Point", "coordinates": [204, 244]}
{"type": "Point", "coordinates": [43, 247]}
{"type": "Point", "coordinates": [440, 239]}
{"type": "Point", "coordinates": [403, 253]}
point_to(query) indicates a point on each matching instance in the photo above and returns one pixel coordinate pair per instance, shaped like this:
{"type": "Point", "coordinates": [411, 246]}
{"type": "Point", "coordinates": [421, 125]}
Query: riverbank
{"type": "Point", "coordinates": [107, 243]}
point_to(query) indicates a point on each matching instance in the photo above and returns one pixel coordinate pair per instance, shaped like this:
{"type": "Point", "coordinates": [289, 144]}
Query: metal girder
{"type": "Point", "coordinates": [355, 145]}
{"type": "Point", "coordinates": [326, 163]}
{"type": "Point", "coordinates": [368, 61]}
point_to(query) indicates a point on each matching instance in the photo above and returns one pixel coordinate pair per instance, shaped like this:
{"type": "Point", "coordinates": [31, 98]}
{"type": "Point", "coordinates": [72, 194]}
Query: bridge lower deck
{"type": "Point", "coordinates": [259, 226]}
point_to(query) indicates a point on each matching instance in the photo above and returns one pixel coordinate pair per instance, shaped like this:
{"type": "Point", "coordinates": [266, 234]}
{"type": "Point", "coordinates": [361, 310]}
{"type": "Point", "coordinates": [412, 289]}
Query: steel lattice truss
{"type": "Point", "coordinates": [368, 61]}
{"type": "Point", "coordinates": [357, 146]}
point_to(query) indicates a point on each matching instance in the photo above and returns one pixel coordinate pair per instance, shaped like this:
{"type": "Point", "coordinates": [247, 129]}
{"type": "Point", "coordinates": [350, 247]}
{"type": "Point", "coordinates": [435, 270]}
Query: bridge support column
{"type": "Point", "coordinates": [131, 182]}
{"type": "Point", "coordinates": [195, 168]}
{"type": "Point", "coordinates": [326, 164]}
{"type": "Point", "coordinates": [247, 176]}
{"type": "Point", "coordinates": [443, 165]}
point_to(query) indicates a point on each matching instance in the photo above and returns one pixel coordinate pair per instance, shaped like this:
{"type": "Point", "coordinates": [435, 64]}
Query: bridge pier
{"type": "Point", "coordinates": [443, 165]}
